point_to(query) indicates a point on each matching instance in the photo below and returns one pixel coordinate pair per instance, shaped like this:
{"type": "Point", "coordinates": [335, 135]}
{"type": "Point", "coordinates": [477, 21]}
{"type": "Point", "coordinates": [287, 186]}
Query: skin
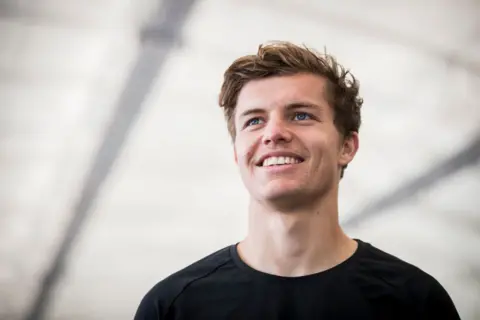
{"type": "Point", "coordinates": [293, 211]}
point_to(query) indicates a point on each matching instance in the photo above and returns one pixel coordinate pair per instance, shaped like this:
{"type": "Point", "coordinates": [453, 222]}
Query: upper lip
{"type": "Point", "coordinates": [278, 154]}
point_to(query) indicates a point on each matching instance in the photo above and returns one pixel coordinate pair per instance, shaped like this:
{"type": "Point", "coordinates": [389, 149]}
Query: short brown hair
{"type": "Point", "coordinates": [285, 58]}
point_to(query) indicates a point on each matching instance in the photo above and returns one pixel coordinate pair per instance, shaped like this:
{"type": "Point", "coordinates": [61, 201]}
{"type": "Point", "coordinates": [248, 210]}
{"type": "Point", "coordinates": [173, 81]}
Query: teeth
{"type": "Point", "coordinates": [275, 161]}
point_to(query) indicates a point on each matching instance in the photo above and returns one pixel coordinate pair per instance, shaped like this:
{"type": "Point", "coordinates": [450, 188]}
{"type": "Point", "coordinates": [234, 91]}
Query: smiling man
{"type": "Point", "coordinates": [294, 116]}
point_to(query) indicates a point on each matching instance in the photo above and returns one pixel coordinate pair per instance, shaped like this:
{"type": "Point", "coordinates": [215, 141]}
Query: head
{"type": "Point", "coordinates": [294, 116]}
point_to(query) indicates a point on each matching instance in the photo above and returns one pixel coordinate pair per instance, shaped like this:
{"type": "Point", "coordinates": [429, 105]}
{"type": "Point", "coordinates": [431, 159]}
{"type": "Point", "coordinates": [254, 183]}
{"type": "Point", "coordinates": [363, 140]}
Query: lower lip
{"type": "Point", "coordinates": [280, 168]}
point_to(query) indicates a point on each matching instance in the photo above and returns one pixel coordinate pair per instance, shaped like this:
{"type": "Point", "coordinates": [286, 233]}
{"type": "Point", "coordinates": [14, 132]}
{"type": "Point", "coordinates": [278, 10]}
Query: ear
{"type": "Point", "coordinates": [349, 148]}
{"type": "Point", "coordinates": [235, 155]}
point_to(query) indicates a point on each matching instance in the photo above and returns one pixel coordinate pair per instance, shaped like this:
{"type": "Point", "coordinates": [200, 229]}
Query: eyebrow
{"type": "Point", "coordinates": [302, 105]}
{"type": "Point", "coordinates": [289, 107]}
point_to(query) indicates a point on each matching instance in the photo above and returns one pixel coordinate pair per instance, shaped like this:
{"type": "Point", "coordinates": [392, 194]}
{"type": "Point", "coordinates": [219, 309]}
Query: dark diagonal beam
{"type": "Point", "coordinates": [468, 156]}
{"type": "Point", "coordinates": [157, 41]}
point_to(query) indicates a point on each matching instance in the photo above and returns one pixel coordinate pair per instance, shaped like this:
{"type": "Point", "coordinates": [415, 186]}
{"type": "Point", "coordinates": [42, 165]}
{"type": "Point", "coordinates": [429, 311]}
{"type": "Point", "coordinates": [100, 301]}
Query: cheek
{"type": "Point", "coordinates": [245, 152]}
{"type": "Point", "coordinates": [249, 154]}
{"type": "Point", "coordinates": [245, 159]}
{"type": "Point", "coordinates": [326, 152]}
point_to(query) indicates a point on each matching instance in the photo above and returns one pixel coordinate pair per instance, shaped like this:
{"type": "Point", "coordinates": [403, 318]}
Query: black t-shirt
{"type": "Point", "coordinates": [371, 284]}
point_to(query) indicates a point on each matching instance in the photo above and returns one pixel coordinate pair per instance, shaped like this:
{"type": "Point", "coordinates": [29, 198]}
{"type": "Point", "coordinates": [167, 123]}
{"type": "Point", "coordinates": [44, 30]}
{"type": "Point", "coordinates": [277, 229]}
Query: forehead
{"type": "Point", "coordinates": [278, 91]}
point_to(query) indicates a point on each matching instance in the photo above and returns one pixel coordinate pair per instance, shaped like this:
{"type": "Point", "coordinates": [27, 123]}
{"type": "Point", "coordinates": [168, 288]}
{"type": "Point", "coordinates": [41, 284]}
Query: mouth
{"type": "Point", "coordinates": [271, 161]}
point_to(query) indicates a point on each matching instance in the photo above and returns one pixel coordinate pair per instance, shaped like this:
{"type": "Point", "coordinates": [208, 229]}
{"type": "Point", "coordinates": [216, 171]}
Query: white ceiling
{"type": "Point", "coordinates": [174, 195]}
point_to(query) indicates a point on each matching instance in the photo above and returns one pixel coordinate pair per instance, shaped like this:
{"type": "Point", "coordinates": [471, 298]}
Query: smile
{"type": "Point", "coordinates": [279, 161]}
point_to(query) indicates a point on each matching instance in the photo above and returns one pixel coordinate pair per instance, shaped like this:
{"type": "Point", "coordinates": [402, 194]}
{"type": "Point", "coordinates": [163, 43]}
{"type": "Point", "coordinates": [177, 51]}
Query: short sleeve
{"type": "Point", "coordinates": [438, 304]}
{"type": "Point", "coordinates": [149, 309]}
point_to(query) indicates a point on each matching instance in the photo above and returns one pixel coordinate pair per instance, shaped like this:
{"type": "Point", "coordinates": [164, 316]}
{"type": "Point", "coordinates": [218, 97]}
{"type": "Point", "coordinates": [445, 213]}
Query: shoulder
{"type": "Point", "coordinates": [156, 303]}
{"type": "Point", "coordinates": [379, 264]}
{"type": "Point", "coordinates": [387, 275]}
{"type": "Point", "coordinates": [376, 265]}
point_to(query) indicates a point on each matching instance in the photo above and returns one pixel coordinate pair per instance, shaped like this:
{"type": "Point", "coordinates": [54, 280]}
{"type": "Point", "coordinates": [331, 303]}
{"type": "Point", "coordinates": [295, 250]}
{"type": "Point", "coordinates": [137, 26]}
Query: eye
{"type": "Point", "coordinates": [253, 122]}
{"type": "Point", "coordinates": [302, 116]}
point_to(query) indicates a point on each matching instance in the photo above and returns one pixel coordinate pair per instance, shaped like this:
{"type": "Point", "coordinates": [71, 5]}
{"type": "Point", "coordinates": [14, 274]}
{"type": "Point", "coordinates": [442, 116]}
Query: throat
{"type": "Point", "coordinates": [291, 248]}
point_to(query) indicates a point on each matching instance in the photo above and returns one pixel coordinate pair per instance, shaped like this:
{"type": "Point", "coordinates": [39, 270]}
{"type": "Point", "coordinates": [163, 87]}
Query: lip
{"type": "Point", "coordinates": [284, 168]}
{"type": "Point", "coordinates": [278, 154]}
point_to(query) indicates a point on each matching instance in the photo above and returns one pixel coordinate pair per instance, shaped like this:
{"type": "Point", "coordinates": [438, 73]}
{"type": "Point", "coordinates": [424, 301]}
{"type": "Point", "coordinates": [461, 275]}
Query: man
{"type": "Point", "coordinates": [294, 117]}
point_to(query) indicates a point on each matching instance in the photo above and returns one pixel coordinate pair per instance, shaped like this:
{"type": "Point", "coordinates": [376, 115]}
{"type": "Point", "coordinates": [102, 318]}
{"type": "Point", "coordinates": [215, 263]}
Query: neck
{"type": "Point", "coordinates": [299, 242]}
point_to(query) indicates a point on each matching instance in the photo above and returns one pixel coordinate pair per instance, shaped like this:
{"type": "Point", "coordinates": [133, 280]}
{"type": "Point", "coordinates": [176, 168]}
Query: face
{"type": "Point", "coordinates": [287, 147]}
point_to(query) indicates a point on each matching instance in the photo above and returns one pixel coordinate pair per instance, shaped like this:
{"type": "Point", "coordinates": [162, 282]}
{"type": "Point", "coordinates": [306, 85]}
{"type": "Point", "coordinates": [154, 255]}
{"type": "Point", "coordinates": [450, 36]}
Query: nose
{"type": "Point", "coordinates": [276, 132]}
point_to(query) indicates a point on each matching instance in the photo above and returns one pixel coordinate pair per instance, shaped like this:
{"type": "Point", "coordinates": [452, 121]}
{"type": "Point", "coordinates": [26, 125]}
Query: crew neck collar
{"type": "Point", "coordinates": [272, 277]}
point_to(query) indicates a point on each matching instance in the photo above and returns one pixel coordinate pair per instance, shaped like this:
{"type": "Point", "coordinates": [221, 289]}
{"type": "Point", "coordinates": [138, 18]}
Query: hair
{"type": "Point", "coordinates": [284, 58]}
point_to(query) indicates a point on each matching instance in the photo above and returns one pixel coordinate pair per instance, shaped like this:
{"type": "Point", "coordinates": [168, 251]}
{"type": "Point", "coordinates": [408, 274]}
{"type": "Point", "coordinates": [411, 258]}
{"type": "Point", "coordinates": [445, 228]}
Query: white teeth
{"type": "Point", "coordinates": [273, 161]}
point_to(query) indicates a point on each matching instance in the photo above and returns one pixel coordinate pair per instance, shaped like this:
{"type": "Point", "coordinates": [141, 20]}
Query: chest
{"type": "Point", "coordinates": [284, 301]}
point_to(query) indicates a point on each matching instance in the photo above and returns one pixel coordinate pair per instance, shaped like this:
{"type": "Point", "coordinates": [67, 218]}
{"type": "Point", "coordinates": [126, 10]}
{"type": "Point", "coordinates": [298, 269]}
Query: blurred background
{"type": "Point", "coordinates": [116, 168]}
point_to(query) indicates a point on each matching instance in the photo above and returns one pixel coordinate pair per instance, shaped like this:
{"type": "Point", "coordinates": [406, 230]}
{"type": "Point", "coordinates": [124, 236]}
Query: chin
{"type": "Point", "coordinates": [282, 191]}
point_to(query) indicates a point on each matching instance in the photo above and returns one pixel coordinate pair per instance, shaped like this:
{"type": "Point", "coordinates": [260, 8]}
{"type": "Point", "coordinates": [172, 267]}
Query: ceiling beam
{"type": "Point", "coordinates": [469, 156]}
{"type": "Point", "coordinates": [158, 39]}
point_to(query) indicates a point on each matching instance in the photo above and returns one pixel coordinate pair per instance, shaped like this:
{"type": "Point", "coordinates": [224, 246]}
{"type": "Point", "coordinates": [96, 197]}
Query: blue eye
{"type": "Point", "coordinates": [252, 122]}
{"type": "Point", "coordinates": [301, 116]}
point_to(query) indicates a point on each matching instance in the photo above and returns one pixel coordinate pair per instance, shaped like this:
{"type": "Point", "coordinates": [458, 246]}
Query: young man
{"type": "Point", "coordinates": [294, 117]}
